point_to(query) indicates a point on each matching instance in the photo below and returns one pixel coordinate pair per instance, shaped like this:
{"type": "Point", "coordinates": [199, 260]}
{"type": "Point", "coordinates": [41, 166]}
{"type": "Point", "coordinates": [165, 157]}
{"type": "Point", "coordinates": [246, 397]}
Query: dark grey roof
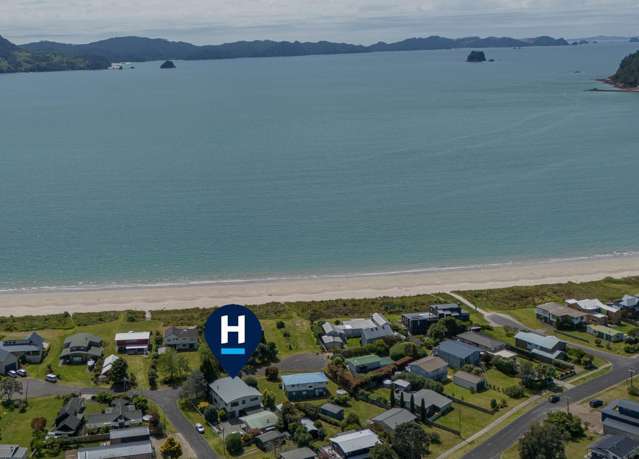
{"type": "Point", "coordinates": [621, 426]}
{"type": "Point", "coordinates": [120, 410]}
{"type": "Point", "coordinates": [618, 445]}
{"type": "Point", "coordinates": [446, 306]}
{"type": "Point", "coordinates": [129, 433]}
{"type": "Point", "coordinates": [431, 398]}
{"type": "Point", "coordinates": [469, 377]}
{"type": "Point", "coordinates": [120, 450]}
{"type": "Point", "coordinates": [481, 340]}
{"type": "Point", "coordinates": [394, 417]}
{"type": "Point", "coordinates": [271, 435]}
{"type": "Point", "coordinates": [7, 358]}
{"type": "Point", "coordinates": [182, 332]}
{"type": "Point", "coordinates": [457, 348]}
{"type": "Point", "coordinates": [332, 408]}
{"type": "Point", "coordinates": [35, 339]}
{"type": "Point", "coordinates": [82, 340]}
{"type": "Point", "coordinates": [299, 453]}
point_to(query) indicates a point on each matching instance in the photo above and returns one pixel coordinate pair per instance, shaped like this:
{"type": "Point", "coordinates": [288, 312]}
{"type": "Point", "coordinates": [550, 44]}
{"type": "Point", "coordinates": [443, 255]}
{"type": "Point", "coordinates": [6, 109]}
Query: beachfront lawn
{"type": "Point", "coordinates": [296, 336]}
{"type": "Point", "coordinates": [16, 427]}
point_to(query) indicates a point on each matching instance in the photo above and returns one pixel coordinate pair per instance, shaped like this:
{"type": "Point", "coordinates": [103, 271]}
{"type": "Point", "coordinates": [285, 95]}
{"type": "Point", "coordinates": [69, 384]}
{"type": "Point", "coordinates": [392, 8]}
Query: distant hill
{"type": "Point", "coordinates": [18, 59]}
{"type": "Point", "coordinates": [136, 49]}
{"type": "Point", "coordinates": [628, 73]}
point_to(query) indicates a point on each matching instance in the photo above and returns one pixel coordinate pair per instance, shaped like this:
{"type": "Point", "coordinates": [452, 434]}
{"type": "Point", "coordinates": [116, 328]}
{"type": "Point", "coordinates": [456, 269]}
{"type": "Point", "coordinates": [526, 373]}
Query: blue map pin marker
{"type": "Point", "coordinates": [233, 332]}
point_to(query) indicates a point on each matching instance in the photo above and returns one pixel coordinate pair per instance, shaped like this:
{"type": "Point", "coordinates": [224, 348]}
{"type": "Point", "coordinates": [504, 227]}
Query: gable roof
{"type": "Point", "coordinates": [182, 332]}
{"type": "Point", "coordinates": [298, 453]}
{"type": "Point", "coordinates": [547, 342]}
{"type": "Point", "coordinates": [394, 417]}
{"type": "Point", "coordinates": [117, 451]}
{"type": "Point", "coordinates": [117, 434]}
{"type": "Point", "coordinates": [457, 348]}
{"type": "Point", "coordinates": [464, 375]}
{"type": "Point", "coordinates": [430, 363]}
{"type": "Point", "coordinates": [560, 310]}
{"type": "Point", "coordinates": [355, 441]}
{"type": "Point", "coordinates": [431, 398]}
{"type": "Point", "coordinates": [304, 378]}
{"type": "Point", "coordinates": [368, 359]}
{"type": "Point", "coordinates": [332, 408]}
{"type": "Point", "coordinates": [120, 410]}
{"type": "Point", "coordinates": [260, 420]}
{"type": "Point", "coordinates": [82, 340]}
{"type": "Point", "coordinates": [619, 445]}
{"type": "Point", "coordinates": [481, 340]}
{"type": "Point", "coordinates": [445, 306]}
{"type": "Point", "coordinates": [230, 389]}
{"type": "Point", "coordinates": [143, 335]}
{"type": "Point", "coordinates": [11, 451]}
{"type": "Point", "coordinates": [7, 358]}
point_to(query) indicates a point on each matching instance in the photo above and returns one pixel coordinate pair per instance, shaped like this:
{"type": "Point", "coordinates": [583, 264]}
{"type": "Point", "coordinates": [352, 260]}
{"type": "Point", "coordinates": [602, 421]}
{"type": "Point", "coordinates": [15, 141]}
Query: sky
{"type": "Point", "coordinates": [356, 21]}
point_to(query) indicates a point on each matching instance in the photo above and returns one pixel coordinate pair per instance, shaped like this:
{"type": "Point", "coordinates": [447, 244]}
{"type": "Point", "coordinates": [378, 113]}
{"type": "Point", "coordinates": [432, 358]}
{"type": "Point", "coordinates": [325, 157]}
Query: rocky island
{"type": "Point", "coordinates": [476, 56]}
{"type": "Point", "coordinates": [627, 76]}
{"type": "Point", "coordinates": [168, 65]}
{"type": "Point", "coordinates": [634, 40]}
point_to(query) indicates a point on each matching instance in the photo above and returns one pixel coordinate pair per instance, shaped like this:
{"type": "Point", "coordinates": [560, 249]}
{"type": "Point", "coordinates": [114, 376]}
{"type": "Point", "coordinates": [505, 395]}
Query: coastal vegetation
{"type": "Point", "coordinates": [476, 56]}
{"type": "Point", "coordinates": [14, 58]}
{"type": "Point", "coordinates": [628, 73]}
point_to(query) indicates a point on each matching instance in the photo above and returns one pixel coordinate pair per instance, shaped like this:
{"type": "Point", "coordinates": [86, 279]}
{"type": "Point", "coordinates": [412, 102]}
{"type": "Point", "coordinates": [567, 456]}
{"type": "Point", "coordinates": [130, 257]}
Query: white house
{"type": "Point", "coordinates": [234, 396]}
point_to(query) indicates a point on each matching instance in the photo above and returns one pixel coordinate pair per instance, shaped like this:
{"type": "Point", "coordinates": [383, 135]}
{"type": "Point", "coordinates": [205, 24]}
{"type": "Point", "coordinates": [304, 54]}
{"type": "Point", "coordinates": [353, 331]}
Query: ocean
{"type": "Point", "coordinates": [314, 166]}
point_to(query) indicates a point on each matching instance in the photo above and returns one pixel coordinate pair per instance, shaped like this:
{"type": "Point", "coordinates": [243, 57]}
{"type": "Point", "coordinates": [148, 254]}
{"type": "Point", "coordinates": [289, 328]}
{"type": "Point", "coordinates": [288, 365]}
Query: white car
{"type": "Point", "coordinates": [22, 372]}
{"type": "Point", "coordinates": [199, 427]}
{"type": "Point", "coordinates": [12, 373]}
{"type": "Point", "coordinates": [51, 378]}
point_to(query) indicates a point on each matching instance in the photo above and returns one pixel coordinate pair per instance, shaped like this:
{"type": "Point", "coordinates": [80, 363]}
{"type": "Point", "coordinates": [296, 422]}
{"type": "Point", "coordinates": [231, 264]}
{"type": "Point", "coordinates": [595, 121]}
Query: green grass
{"type": "Point", "coordinates": [300, 337]}
{"type": "Point", "coordinates": [574, 449]}
{"type": "Point", "coordinates": [530, 296]}
{"type": "Point", "coordinates": [16, 427]}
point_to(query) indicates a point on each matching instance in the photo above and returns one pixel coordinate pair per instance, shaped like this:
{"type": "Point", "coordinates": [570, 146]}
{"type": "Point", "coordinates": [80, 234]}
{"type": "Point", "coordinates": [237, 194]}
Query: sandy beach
{"type": "Point", "coordinates": [355, 286]}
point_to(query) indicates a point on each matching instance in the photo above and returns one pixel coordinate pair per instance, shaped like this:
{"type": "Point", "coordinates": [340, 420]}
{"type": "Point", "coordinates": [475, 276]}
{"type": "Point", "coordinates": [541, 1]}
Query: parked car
{"type": "Point", "coordinates": [199, 427]}
{"type": "Point", "coordinates": [12, 373]}
{"type": "Point", "coordinates": [595, 403]}
{"type": "Point", "coordinates": [22, 372]}
{"type": "Point", "coordinates": [553, 398]}
{"type": "Point", "coordinates": [51, 378]}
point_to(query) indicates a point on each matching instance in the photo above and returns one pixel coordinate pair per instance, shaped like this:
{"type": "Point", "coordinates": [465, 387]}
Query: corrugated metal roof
{"type": "Point", "coordinates": [355, 441]}
{"type": "Point", "coordinates": [304, 378]}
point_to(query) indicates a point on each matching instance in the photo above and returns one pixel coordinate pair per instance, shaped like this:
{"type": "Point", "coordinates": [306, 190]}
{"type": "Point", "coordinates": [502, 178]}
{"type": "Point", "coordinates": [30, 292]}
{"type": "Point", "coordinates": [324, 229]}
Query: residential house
{"type": "Point", "coordinates": [234, 396]}
{"type": "Point", "coordinates": [546, 348]}
{"type": "Point", "coordinates": [417, 323]}
{"type": "Point", "coordinates": [557, 315]}
{"type": "Point", "coordinates": [457, 354]}
{"type": "Point", "coordinates": [434, 403]}
{"type": "Point", "coordinates": [181, 338]}
{"type": "Point", "coordinates": [332, 343]}
{"type": "Point", "coordinates": [80, 348]}
{"type": "Point", "coordinates": [366, 363]}
{"type": "Point", "coordinates": [122, 413]}
{"type": "Point", "coordinates": [614, 447]}
{"type": "Point", "coordinates": [70, 418]}
{"type": "Point", "coordinates": [594, 306]}
{"type": "Point", "coordinates": [354, 445]}
{"type": "Point", "coordinates": [8, 362]}
{"type": "Point", "coordinates": [270, 440]}
{"type": "Point", "coordinates": [485, 343]}
{"type": "Point", "coordinates": [401, 385]}
{"type": "Point", "coordinates": [133, 450]}
{"type": "Point", "coordinates": [107, 364]}
{"type": "Point", "coordinates": [628, 302]}
{"type": "Point", "coordinates": [330, 329]}
{"type": "Point", "coordinates": [380, 330]}
{"type": "Point", "coordinates": [389, 420]}
{"type": "Point", "coordinates": [30, 349]}
{"type": "Point", "coordinates": [432, 367]}
{"type": "Point", "coordinates": [309, 426]}
{"type": "Point", "coordinates": [261, 421]}
{"type": "Point", "coordinates": [298, 453]}
{"type": "Point", "coordinates": [133, 342]}
{"type": "Point", "coordinates": [469, 381]}
{"type": "Point", "coordinates": [449, 310]}
{"type": "Point", "coordinates": [621, 417]}
{"type": "Point", "coordinates": [332, 411]}
{"type": "Point", "coordinates": [605, 333]}
{"type": "Point", "coordinates": [13, 452]}
{"type": "Point", "coordinates": [301, 386]}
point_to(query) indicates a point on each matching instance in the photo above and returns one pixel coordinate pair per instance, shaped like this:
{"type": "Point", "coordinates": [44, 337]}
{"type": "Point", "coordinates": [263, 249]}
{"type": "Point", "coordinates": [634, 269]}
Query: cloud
{"type": "Point", "coordinates": [363, 20]}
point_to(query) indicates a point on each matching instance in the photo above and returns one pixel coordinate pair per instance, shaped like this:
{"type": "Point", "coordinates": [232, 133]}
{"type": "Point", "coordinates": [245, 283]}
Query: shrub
{"type": "Point", "coordinates": [234, 444]}
{"type": "Point", "coordinates": [250, 381]}
{"type": "Point", "coordinates": [272, 373]}
{"type": "Point", "coordinates": [38, 424]}
{"type": "Point", "coordinates": [517, 391]}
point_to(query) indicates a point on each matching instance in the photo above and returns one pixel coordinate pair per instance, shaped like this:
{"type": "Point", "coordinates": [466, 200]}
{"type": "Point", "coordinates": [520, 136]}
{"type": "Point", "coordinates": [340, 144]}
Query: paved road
{"type": "Point", "coordinates": [507, 436]}
{"type": "Point", "coordinates": [167, 400]}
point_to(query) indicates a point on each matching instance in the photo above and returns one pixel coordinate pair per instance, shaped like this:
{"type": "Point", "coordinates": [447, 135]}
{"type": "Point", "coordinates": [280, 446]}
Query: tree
{"type": "Point", "coordinates": [209, 365]}
{"type": "Point", "coordinates": [410, 441]}
{"type": "Point", "coordinates": [38, 424]}
{"type": "Point", "coordinates": [195, 388]}
{"type": "Point", "coordinates": [422, 411]}
{"type": "Point", "coordinates": [401, 399]}
{"type": "Point", "coordinates": [392, 398]}
{"type": "Point", "coordinates": [268, 399]}
{"type": "Point", "coordinates": [171, 448]}
{"type": "Point", "coordinates": [382, 451]}
{"type": "Point", "coordinates": [8, 387]}
{"type": "Point", "coordinates": [352, 420]}
{"type": "Point", "coordinates": [301, 436]}
{"type": "Point", "coordinates": [119, 375]}
{"type": "Point", "coordinates": [272, 373]}
{"type": "Point", "coordinates": [211, 415]}
{"type": "Point", "coordinates": [412, 403]}
{"type": "Point", "coordinates": [141, 403]}
{"type": "Point", "coordinates": [173, 365]}
{"type": "Point", "coordinates": [542, 441]}
{"type": "Point", "coordinates": [569, 424]}
{"type": "Point", "coordinates": [233, 444]}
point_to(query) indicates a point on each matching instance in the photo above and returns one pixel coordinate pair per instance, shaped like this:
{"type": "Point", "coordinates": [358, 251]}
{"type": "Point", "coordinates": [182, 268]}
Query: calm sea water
{"type": "Point", "coordinates": [258, 168]}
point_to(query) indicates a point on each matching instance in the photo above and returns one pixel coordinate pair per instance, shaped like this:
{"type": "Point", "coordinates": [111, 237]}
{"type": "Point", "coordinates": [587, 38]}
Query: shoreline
{"type": "Point", "coordinates": [181, 296]}
{"type": "Point", "coordinates": [617, 86]}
